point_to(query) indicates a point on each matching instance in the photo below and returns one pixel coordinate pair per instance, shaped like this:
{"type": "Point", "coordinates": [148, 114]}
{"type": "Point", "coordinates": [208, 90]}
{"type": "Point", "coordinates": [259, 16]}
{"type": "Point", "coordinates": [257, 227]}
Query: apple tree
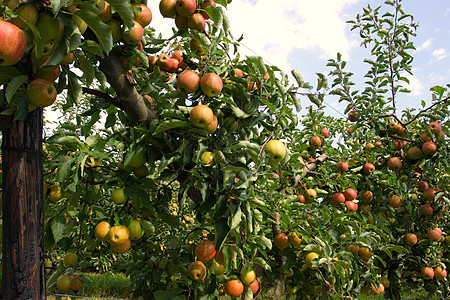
{"type": "Point", "coordinates": [188, 167]}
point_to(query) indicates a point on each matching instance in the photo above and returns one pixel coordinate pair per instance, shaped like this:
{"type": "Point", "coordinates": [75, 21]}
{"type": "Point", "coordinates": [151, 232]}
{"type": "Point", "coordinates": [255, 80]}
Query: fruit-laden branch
{"type": "Point", "coordinates": [127, 95]}
{"type": "Point", "coordinates": [309, 167]}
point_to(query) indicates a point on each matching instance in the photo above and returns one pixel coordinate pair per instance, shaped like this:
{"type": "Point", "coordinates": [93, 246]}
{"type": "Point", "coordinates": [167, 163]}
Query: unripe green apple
{"type": "Point", "coordinates": [207, 157]}
{"type": "Point", "coordinates": [51, 28]}
{"type": "Point", "coordinates": [28, 11]}
{"type": "Point", "coordinates": [247, 276]}
{"type": "Point", "coordinates": [135, 229]}
{"type": "Point", "coordinates": [116, 30]}
{"type": "Point", "coordinates": [218, 269]}
{"type": "Point", "coordinates": [70, 259]}
{"type": "Point", "coordinates": [118, 196]}
{"type": "Point", "coordinates": [276, 150]}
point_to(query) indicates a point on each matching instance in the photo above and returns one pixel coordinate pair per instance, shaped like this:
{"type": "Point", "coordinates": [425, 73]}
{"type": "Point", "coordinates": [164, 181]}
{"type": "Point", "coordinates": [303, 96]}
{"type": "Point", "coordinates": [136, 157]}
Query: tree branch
{"type": "Point", "coordinates": [427, 109]}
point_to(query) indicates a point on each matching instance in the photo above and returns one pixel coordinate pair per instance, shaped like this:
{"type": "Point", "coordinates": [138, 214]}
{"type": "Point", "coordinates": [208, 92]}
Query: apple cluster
{"type": "Point", "coordinates": [186, 13]}
{"type": "Point", "coordinates": [119, 236]}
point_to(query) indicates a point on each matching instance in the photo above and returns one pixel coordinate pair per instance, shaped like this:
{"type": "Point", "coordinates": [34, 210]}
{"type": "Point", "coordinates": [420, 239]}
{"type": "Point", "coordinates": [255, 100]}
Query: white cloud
{"type": "Point", "coordinates": [415, 85]}
{"type": "Point", "coordinates": [426, 45]}
{"type": "Point", "coordinates": [439, 54]}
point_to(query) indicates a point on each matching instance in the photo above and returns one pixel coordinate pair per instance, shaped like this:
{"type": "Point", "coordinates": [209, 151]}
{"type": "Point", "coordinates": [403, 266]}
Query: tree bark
{"type": "Point", "coordinates": [23, 209]}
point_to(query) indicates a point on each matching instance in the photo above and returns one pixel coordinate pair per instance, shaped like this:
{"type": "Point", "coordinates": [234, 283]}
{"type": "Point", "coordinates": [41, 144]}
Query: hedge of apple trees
{"type": "Point", "coordinates": [188, 168]}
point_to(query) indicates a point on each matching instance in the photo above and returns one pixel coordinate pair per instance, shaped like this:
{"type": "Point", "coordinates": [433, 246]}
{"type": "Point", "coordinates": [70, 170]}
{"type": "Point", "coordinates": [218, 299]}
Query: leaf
{"type": "Point", "coordinates": [14, 85]}
{"type": "Point", "coordinates": [236, 219]}
{"type": "Point", "coordinates": [58, 228]}
{"type": "Point", "coordinates": [298, 77]}
{"type": "Point", "coordinates": [7, 73]}
{"type": "Point", "coordinates": [215, 15]}
{"type": "Point", "coordinates": [57, 5]}
{"type": "Point", "coordinates": [64, 169]}
{"type": "Point", "coordinates": [87, 68]}
{"type": "Point", "coordinates": [123, 8]}
{"type": "Point", "coordinates": [239, 112]}
{"type": "Point", "coordinates": [260, 261]}
{"type": "Point", "coordinates": [74, 88]}
{"type": "Point", "coordinates": [222, 231]}
{"type": "Point", "coordinates": [170, 124]}
{"type": "Point", "coordinates": [100, 29]}
{"type": "Point", "coordinates": [258, 61]}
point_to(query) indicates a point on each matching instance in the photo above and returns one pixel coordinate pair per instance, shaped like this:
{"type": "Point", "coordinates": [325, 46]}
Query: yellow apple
{"type": "Point", "coordinates": [276, 150]}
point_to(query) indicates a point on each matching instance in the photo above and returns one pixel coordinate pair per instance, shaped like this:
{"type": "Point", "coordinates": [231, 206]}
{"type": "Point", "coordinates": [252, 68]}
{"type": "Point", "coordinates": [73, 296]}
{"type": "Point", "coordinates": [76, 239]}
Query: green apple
{"type": "Point", "coordinates": [118, 196]}
{"type": "Point", "coordinates": [116, 30]}
{"type": "Point", "coordinates": [218, 269]}
{"type": "Point", "coordinates": [135, 229]}
{"type": "Point", "coordinates": [276, 150]}
{"type": "Point", "coordinates": [51, 28]}
{"type": "Point", "coordinates": [26, 11]}
{"type": "Point", "coordinates": [207, 157]}
{"type": "Point", "coordinates": [70, 259]}
{"type": "Point", "coordinates": [247, 276]}
{"type": "Point", "coordinates": [41, 93]}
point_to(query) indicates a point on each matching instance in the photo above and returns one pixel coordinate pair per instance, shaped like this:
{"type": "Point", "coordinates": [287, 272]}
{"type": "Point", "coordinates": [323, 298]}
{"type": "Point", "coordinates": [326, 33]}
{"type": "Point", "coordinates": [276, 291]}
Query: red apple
{"type": "Point", "coordinates": [197, 22]}
{"type": "Point", "coordinates": [181, 22]}
{"type": "Point", "coordinates": [188, 81]}
{"type": "Point", "coordinates": [338, 198]}
{"type": "Point", "coordinates": [353, 116]}
{"type": "Point", "coordinates": [411, 239]}
{"type": "Point", "coordinates": [142, 14]}
{"type": "Point", "coordinates": [429, 148]}
{"type": "Point", "coordinates": [350, 194]}
{"type": "Point", "coordinates": [41, 93]}
{"type": "Point", "coordinates": [49, 73]}
{"type": "Point", "coordinates": [426, 209]}
{"type": "Point", "coordinates": [12, 43]}
{"type": "Point", "coordinates": [133, 35]}
{"type": "Point", "coordinates": [342, 166]}
{"type": "Point", "coordinates": [434, 235]}
{"type": "Point", "coordinates": [425, 137]}
{"type": "Point", "coordinates": [427, 273]}
{"type": "Point", "coordinates": [212, 126]}
{"type": "Point", "coordinates": [325, 132]}
{"type": "Point", "coordinates": [211, 84]}
{"type": "Point", "coordinates": [394, 163]}
{"type": "Point", "coordinates": [368, 168]}
{"type": "Point", "coordinates": [186, 7]}
{"type": "Point", "coordinates": [366, 196]}
{"type": "Point", "coordinates": [238, 72]}
{"type": "Point", "coordinates": [315, 142]}
{"type": "Point", "coordinates": [395, 201]}
{"type": "Point", "coordinates": [435, 127]}
{"type": "Point", "coordinates": [422, 185]}
{"type": "Point", "coordinates": [414, 153]}
{"type": "Point", "coordinates": [177, 54]}
{"type": "Point", "coordinates": [428, 195]}
{"type": "Point", "coordinates": [168, 8]}
{"type": "Point", "coordinates": [174, 64]}
{"type": "Point", "coordinates": [205, 4]}
{"type": "Point", "coordinates": [351, 205]}
{"type": "Point", "coordinates": [195, 46]}
{"type": "Point", "coordinates": [201, 116]}
{"type": "Point", "coordinates": [164, 62]}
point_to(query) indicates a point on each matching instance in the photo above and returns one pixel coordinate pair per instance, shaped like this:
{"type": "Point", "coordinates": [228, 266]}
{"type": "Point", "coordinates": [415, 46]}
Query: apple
{"type": "Point", "coordinates": [394, 163]}
{"type": "Point", "coordinates": [63, 282]}
{"type": "Point", "coordinates": [135, 229]}
{"type": "Point", "coordinates": [68, 59]}
{"type": "Point", "coordinates": [201, 116]}
{"type": "Point", "coordinates": [55, 193]}
{"type": "Point", "coordinates": [234, 288]}
{"type": "Point", "coordinates": [133, 35]}
{"type": "Point", "coordinates": [310, 195]}
{"type": "Point", "coordinates": [218, 269]}
{"type": "Point", "coordinates": [338, 198]}
{"type": "Point", "coordinates": [212, 126]}
{"type": "Point", "coordinates": [294, 240]}
{"type": "Point", "coordinates": [378, 144]}
{"type": "Point", "coordinates": [138, 161]}
{"type": "Point", "coordinates": [118, 235]}
{"type": "Point", "coordinates": [422, 185]}
{"type": "Point", "coordinates": [28, 11]}
{"type": "Point", "coordinates": [427, 273]}
{"type": "Point", "coordinates": [197, 22]}
{"type": "Point", "coordinates": [276, 150]}
{"type": "Point", "coordinates": [395, 201]}
{"type": "Point", "coordinates": [342, 166]}
{"type": "Point", "coordinates": [186, 7]}
{"type": "Point", "coordinates": [207, 157]}
{"type": "Point", "coordinates": [353, 249]}
{"type": "Point", "coordinates": [13, 43]}
{"type": "Point", "coordinates": [205, 4]}
{"type": "Point", "coordinates": [205, 250]}
{"type": "Point", "coordinates": [414, 153]}
{"type": "Point", "coordinates": [393, 126]}
{"type": "Point", "coordinates": [181, 22]}
{"type": "Point", "coordinates": [102, 230]}
{"type": "Point", "coordinates": [142, 14]}
{"type": "Point", "coordinates": [325, 132]}
{"type": "Point", "coordinates": [39, 61]}
{"type": "Point", "coordinates": [426, 209]}
{"type": "Point", "coordinates": [369, 146]}
{"type": "Point", "coordinates": [425, 137]}
{"type": "Point", "coordinates": [121, 248]}
{"type": "Point", "coordinates": [247, 276]}
{"type": "Point", "coordinates": [174, 64]}
{"type": "Point", "coordinates": [301, 199]}
{"type": "Point", "coordinates": [351, 205]}
{"type": "Point", "coordinates": [375, 291]}
{"type": "Point", "coordinates": [411, 239]}
{"type": "Point", "coordinates": [41, 93]}
{"type": "Point", "coordinates": [281, 241]}
{"type": "Point", "coordinates": [118, 196]}
{"type": "Point", "coordinates": [219, 257]}
{"type": "Point", "coordinates": [365, 253]}
{"type": "Point", "coordinates": [49, 73]}
{"type": "Point", "coordinates": [152, 61]}
{"type": "Point", "coordinates": [195, 46]}
{"type": "Point", "coordinates": [50, 27]}
{"type": "Point", "coordinates": [434, 235]}
{"type": "Point", "coordinates": [254, 286]}
{"type": "Point", "coordinates": [164, 62]}
{"type": "Point", "coordinates": [350, 194]}
{"type": "Point", "coordinates": [365, 208]}
{"type": "Point", "coordinates": [428, 195]}
{"type": "Point", "coordinates": [197, 271]}
{"type": "Point", "coordinates": [211, 84]}
{"type": "Point", "coordinates": [368, 168]}
{"type": "Point", "coordinates": [353, 116]}
{"type": "Point", "coordinates": [366, 196]}
{"type": "Point", "coordinates": [177, 54]}
{"type": "Point", "coordinates": [315, 142]}
{"type": "Point", "coordinates": [104, 12]}
{"type": "Point", "coordinates": [189, 81]}
{"type": "Point", "coordinates": [429, 148]}
{"type": "Point", "coordinates": [70, 259]}
{"type": "Point", "coordinates": [309, 259]}
{"type": "Point", "coordinates": [141, 171]}
{"type": "Point", "coordinates": [435, 127]}
{"type": "Point", "coordinates": [75, 283]}
{"type": "Point", "coordinates": [116, 30]}
{"type": "Point", "coordinates": [167, 8]}
{"type": "Point", "coordinates": [440, 273]}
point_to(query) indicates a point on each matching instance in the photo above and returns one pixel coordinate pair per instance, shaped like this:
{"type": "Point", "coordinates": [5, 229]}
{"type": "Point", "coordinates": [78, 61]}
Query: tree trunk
{"type": "Point", "coordinates": [23, 209]}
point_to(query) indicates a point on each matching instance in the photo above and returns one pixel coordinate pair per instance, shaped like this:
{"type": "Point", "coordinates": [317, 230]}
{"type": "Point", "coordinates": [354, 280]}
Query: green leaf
{"type": "Point", "coordinates": [239, 112]}
{"type": "Point", "coordinates": [298, 77]}
{"type": "Point", "coordinates": [170, 124]}
{"type": "Point", "coordinates": [123, 8]}
{"type": "Point", "coordinates": [260, 261]}
{"type": "Point", "coordinates": [215, 15]}
{"type": "Point", "coordinates": [22, 111]}
{"type": "Point", "coordinates": [87, 68]}
{"type": "Point", "coordinates": [100, 29]}
{"type": "Point", "coordinates": [74, 88]}
{"type": "Point", "coordinates": [14, 85]}
{"type": "Point", "coordinates": [222, 231]}
{"type": "Point", "coordinates": [58, 227]}
{"type": "Point", "coordinates": [259, 63]}
{"type": "Point", "coordinates": [64, 169]}
{"type": "Point", "coordinates": [236, 219]}
{"type": "Point", "coordinates": [7, 73]}
{"type": "Point", "coordinates": [57, 5]}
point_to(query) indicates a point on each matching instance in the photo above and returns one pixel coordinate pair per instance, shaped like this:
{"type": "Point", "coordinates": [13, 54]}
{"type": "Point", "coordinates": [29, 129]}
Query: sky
{"type": "Point", "coordinates": [304, 34]}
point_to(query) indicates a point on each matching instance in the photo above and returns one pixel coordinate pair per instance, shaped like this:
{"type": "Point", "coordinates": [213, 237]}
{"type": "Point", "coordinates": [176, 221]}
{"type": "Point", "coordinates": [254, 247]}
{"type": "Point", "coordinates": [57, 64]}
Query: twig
{"type": "Point", "coordinates": [427, 109]}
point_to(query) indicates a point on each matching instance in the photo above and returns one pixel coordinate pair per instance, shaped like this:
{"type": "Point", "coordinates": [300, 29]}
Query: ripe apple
{"type": "Point", "coordinates": [440, 273]}
{"type": "Point", "coordinates": [281, 241]}
{"type": "Point", "coordinates": [351, 205]}
{"type": "Point", "coordinates": [238, 72]}
{"type": "Point", "coordinates": [197, 22]}
{"type": "Point", "coordinates": [118, 196]}
{"type": "Point", "coordinates": [75, 283]}
{"type": "Point", "coordinates": [315, 142]}
{"type": "Point", "coordinates": [422, 185]}
{"type": "Point", "coordinates": [188, 81]}
{"type": "Point", "coordinates": [365, 209]}
{"type": "Point", "coordinates": [368, 168]}
{"type": "Point", "coordinates": [27, 11]}
{"type": "Point", "coordinates": [195, 46]}
{"type": "Point", "coordinates": [104, 11]}
{"type": "Point", "coordinates": [309, 259]}
{"type": "Point", "coordinates": [121, 248]}
{"type": "Point", "coordinates": [63, 282]}
{"type": "Point", "coordinates": [394, 126]}
{"type": "Point", "coordinates": [164, 62]}
{"type": "Point", "coordinates": [428, 195]}
{"type": "Point", "coordinates": [414, 153]}
{"type": "Point", "coordinates": [338, 198]}
{"type": "Point", "coordinates": [134, 35]}
{"type": "Point", "coordinates": [411, 239]}
{"type": "Point", "coordinates": [429, 148]}
{"type": "Point", "coordinates": [366, 196]}
{"type": "Point", "coordinates": [41, 93]}
{"type": "Point", "coordinates": [70, 259]}
{"type": "Point", "coordinates": [353, 249]}
{"type": "Point", "coordinates": [325, 132]}
{"type": "Point", "coordinates": [365, 253]}
{"type": "Point", "coordinates": [234, 288]}
{"type": "Point", "coordinates": [435, 127]}
{"type": "Point", "coordinates": [427, 273]}
{"type": "Point", "coordinates": [254, 286]}
{"type": "Point", "coordinates": [201, 116]}
{"type": "Point", "coordinates": [375, 291]}
{"type": "Point", "coordinates": [395, 201]}
{"type": "Point", "coordinates": [177, 54]}
{"type": "Point", "coordinates": [135, 229]}
{"type": "Point", "coordinates": [205, 250]}
{"type": "Point", "coordinates": [294, 240]}
{"type": "Point", "coordinates": [49, 73]}
{"type": "Point", "coordinates": [197, 271]}
{"type": "Point", "coordinates": [425, 137]}
{"type": "Point", "coordinates": [13, 43]}
{"type": "Point", "coordinates": [426, 209]}
{"type": "Point", "coordinates": [301, 198]}
{"type": "Point", "coordinates": [167, 8]}
{"type": "Point", "coordinates": [51, 28]}
{"type": "Point", "coordinates": [378, 144]}
{"type": "Point", "coordinates": [102, 230]}
{"type": "Point", "coordinates": [118, 235]}
{"type": "Point", "coordinates": [394, 163]}
{"type": "Point", "coordinates": [68, 59]}
{"type": "Point", "coordinates": [353, 116]}
{"type": "Point", "coordinates": [434, 235]}
{"type": "Point", "coordinates": [211, 84]}
{"type": "Point", "coordinates": [342, 166]}
{"type": "Point", "coordinates": [207, 157]}
{"type": "Point", "coordinates": [276, 150]}
{"type": "Point", "coordinates": [174, 64]}
{"type": "Point", "coordinates": [350, 194]}
{"type": "Point", "coordinates": [204, 5]}
{"type": "Point", "coordinates": [142, 14]}
{"type": "Point", "coordinates": [369, 146]}
{"type": "Point", "coordinates": [310, 195]}
{"type": "Point", "coordinates": [181, 22]}
{"type": "Point", "coordinates": [247, 276]}
{"type": "Point", "coordinates": [212, 126]}
{"type": "Point", "coordinates": [186, 7]}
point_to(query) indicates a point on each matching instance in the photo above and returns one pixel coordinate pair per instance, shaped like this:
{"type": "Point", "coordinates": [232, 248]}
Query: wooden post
{"type": "Point", "coordinates": [23, 209]}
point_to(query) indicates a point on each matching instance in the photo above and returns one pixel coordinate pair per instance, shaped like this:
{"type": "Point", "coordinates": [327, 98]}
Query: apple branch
{"type": "Point", "coordinates": [427, 109]}
{"type": "Point", "coordinates": [310, 167]}
{"type": "Point", "coordinates": [127, 95]}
